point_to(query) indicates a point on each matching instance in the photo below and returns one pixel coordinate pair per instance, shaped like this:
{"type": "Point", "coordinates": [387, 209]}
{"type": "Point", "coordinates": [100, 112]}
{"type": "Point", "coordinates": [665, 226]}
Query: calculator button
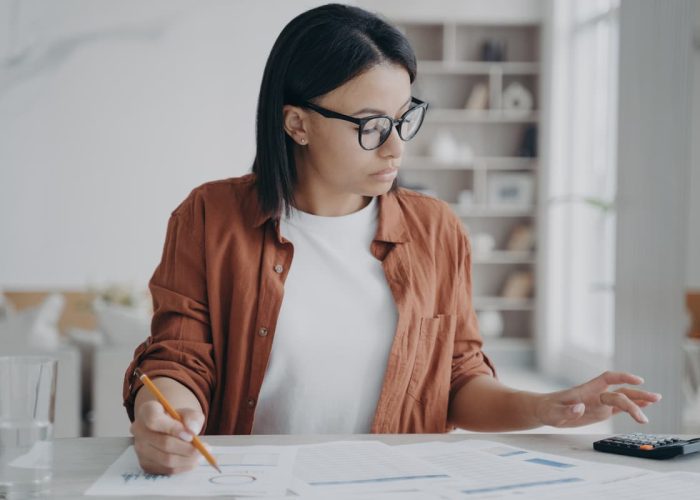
{"type": "Point", "coordinates": [646, 447]}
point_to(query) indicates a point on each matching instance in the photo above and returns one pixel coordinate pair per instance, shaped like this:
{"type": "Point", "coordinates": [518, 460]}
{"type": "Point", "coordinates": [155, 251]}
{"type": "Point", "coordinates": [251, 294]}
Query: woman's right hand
{"type": "Point", "coordinates": [162, 444]}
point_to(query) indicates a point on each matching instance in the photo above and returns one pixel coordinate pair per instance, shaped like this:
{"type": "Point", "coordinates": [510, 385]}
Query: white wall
{"type": "Point", "coordinates": [694, 218]}
{"type": "Point", "coordinates": [110, 113]}
{"type": "Point", "coordinates": [476, 11]}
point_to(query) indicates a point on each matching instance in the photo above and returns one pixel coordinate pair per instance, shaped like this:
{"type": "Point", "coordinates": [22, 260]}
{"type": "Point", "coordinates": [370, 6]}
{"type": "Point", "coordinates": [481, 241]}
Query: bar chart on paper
{"type": "Point", "coordinates": [251, 470]}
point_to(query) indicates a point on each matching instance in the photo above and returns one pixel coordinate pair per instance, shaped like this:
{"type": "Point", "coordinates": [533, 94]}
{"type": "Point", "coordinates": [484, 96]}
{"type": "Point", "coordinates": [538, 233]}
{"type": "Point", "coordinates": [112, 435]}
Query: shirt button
{"type": "Point", "coordinates": [279, 268]}
{"type": "Point", "coordinates": [251, 402]}
{"type": "Point", "coordinates": [262, 332]}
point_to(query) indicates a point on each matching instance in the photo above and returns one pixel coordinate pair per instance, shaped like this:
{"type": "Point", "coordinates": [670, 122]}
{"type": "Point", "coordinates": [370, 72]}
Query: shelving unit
{"type": "Point", "coordinates": [449, 67]}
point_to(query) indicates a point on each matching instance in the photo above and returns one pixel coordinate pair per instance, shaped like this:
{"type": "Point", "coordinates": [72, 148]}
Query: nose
{"type": "Point", "coordinates": [393, 146]}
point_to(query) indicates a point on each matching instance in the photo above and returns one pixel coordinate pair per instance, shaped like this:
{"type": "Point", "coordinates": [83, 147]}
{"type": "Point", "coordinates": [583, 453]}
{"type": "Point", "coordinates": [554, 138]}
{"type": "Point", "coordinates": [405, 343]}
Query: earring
{"type": "Point", "coordinates": [302, 140]}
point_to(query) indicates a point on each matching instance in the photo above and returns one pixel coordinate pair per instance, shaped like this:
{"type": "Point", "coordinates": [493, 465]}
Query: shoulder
{"type": "Point", "coordinates": [218, 195]}
{"type": "Point", "coordinates": [415, 199]}
{"type": "Point", "coordinates": [426, 214]}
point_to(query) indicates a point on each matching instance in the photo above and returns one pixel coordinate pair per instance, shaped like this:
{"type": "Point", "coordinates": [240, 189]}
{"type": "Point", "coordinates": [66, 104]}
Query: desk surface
{"type": "Point", "coordinates": [80, 461]}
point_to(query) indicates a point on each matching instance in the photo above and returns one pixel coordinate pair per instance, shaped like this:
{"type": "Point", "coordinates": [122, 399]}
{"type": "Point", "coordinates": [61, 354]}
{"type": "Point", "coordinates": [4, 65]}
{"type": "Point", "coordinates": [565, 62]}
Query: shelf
{"type": "Point", "coordinates": [505, 257]}
{"type": "Point", "coordinates": [477, 211]}
{"type": "Point", "coordinates": [481, 163]}
{"type": "Point", "coordinates": [446, 115]}
{"type": "Point", "coordinates": [477, 67]}
{"type": "Point", "coordinates": [450, 67]}
{"type": "Point", "coordinates": [503, 304]}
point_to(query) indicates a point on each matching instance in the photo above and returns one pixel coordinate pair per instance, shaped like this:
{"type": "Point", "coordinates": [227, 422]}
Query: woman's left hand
{"type": "Point", "coordinates": [593, 402]}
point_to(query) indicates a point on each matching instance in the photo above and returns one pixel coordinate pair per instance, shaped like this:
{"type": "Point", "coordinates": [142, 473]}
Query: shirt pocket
{"type": "Point", "coordinates": [432, 368]}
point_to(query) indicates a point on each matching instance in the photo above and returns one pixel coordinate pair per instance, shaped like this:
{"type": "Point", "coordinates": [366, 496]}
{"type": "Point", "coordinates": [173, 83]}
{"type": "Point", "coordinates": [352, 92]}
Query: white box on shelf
{"type": "Point", "coordinates": [511, 190]}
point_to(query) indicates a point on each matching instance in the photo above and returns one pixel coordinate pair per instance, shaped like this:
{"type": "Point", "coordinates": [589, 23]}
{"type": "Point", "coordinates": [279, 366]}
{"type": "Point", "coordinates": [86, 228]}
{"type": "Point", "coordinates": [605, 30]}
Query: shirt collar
{"type": "Point", "coordinates": [391, 226]}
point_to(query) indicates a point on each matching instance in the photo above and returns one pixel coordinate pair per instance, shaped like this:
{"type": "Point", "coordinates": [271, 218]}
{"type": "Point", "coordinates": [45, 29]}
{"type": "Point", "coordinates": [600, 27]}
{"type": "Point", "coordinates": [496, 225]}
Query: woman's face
{"type": "Point", "coordinates": [328, 155]}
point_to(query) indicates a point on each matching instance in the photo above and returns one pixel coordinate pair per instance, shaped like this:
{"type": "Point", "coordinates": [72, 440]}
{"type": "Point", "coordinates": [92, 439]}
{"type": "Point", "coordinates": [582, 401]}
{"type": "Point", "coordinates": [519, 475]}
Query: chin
{"type": "Point", "coordinates": [377, 189]}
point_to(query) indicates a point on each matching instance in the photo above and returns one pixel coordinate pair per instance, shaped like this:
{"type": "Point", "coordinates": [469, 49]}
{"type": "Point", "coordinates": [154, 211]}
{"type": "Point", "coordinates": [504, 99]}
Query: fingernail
{"type": "Point", "coordinates": [644, 418]}
{"type": "Point", "coordinates": [185, 436]}
{"type": "Point", "coordinates": [658, 396]}
{"type": "Point", "coordinates": [194, 426]}
{"type": "Point", "coordinates": [578, 408]}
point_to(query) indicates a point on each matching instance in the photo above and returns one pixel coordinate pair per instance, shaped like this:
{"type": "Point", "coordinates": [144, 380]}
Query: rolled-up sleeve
{"type": "Point", "coordinates": [180, 344]}
{"type": "Point", "coordinates": [468, 360]}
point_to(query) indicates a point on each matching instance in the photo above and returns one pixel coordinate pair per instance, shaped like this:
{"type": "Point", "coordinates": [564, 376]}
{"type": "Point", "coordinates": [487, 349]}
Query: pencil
{"type": "Point", "coordinates": [147, 382]}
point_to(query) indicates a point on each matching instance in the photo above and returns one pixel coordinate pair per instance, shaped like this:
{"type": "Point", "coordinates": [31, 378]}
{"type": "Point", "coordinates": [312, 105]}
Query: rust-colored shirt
{"type": "Point", "coordinates": [218, 289]}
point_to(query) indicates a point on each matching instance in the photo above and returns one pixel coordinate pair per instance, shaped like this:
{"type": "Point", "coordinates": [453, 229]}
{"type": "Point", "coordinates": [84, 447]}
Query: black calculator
{"type": "Point", "coordinates": [648, 445]}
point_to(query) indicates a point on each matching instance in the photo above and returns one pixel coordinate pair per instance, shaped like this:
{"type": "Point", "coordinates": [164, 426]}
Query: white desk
{"type": "Point", "coordinates": [82, 460]}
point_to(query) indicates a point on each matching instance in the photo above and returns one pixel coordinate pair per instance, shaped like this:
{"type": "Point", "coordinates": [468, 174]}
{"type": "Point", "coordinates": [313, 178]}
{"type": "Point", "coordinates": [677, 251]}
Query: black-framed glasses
{"type": "Point", "coordinates": [374, 130]}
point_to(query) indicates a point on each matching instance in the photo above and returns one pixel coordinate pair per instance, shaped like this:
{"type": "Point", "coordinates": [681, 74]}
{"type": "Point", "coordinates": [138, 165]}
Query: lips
{"type": "Point", "coordinates": [386, 171]}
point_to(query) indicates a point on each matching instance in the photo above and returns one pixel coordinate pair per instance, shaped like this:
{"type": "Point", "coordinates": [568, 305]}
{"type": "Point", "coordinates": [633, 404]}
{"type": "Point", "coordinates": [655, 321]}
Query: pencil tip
{"type": "Point", "coordinates": [217, 468]}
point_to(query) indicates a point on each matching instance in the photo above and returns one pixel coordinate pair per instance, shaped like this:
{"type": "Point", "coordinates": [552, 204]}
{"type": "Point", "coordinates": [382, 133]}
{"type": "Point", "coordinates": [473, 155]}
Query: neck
{"type": "Point", "coordinates": [329, 204]}
{"type": "Point", "coordinates": [312, 195]}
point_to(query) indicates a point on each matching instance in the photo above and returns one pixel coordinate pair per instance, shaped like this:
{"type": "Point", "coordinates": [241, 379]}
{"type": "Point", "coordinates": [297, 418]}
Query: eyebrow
{"type": "Point", "coordinates": [378, 111]}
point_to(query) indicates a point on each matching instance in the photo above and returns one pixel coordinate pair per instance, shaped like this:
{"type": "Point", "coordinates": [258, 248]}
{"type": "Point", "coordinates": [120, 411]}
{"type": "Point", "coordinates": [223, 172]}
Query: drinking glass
{"type": "Point", "coordinates": [27, 402]}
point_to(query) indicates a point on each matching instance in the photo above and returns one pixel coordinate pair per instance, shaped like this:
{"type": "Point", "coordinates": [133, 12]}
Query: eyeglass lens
{"type": "Point", "coordinates": [377, 130]}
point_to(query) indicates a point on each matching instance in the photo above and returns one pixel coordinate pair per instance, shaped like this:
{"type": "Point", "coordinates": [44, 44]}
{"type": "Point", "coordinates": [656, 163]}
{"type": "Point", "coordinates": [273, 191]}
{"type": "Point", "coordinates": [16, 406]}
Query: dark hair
{"type": "Point", "coordinates": [318, 51]}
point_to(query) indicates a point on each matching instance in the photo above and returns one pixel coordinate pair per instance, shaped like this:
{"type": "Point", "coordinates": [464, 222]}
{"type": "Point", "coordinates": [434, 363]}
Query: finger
{"type": "Point", "coordinates": [156, 461]}
{"type": "Point", "coordinates": [169, 460]}
{"type": "Point", "coordinates": [151, 461]}
{"type": "Point", "coordinates": [638, 402]}
{"type": "Point", "coordinates": [174, 445]}
{"type": "Point", "coordinates": [193, 419]}
{"type": "Point", "coordinates": [153, 467]}
{"type": "Point", "coordinates": [180, 445]}
{"type": "Point", "coordinates": [615, 378]}
{"type": "Point", "coordinates": [623, 403]}
{"type": "Point", "coordinates": [155, 419]}
{"type": "Point", "coordinates": [637, 395]}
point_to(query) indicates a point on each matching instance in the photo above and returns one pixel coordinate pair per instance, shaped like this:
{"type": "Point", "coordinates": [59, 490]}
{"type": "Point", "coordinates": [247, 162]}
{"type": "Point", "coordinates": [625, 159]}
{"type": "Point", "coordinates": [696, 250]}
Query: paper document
{"type": "Point", "coordinates": [676, 485]}
{"type": "Point", "coordinates": [490, 469]}
{"type": "Point", "coordinates": [246, 470]}
{"type": "Point", "coordinates": [592, 471]}
{"type": "Point", "coordinates": [371, 469]}
{"type": "Point", "coordinates": [477, 471]}
{"type": "Point", "coordinates": [357, 466]}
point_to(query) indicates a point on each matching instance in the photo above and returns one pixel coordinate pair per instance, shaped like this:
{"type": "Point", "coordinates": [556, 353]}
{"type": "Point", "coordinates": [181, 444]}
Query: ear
{"type": "Point", "coordinates": [295, 120]}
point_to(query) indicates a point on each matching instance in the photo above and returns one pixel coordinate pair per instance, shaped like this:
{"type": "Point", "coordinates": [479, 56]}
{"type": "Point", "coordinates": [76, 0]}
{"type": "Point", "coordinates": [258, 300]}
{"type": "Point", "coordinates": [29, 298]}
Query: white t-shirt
{"type": "Point", "coordinates": [334, 332]}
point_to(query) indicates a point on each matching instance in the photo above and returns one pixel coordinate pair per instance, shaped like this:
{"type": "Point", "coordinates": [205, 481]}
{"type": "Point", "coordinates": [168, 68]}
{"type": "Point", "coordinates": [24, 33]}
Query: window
{"type": "Point", "coordinates": [581, 215]}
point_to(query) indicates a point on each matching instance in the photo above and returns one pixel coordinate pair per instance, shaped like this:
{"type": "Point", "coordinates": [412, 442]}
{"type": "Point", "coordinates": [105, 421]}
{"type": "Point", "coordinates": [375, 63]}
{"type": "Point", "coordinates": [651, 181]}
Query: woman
{"type": "Point", "coordinates": [365, 287]}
